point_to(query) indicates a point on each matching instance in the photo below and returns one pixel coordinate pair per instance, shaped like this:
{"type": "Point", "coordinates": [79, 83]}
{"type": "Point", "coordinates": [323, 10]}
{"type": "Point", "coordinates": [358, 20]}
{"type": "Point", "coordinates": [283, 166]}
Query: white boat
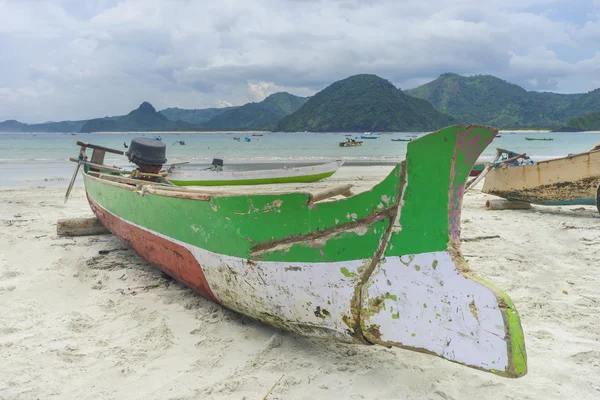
{"type": "Point", "coordinates": [216, 176]}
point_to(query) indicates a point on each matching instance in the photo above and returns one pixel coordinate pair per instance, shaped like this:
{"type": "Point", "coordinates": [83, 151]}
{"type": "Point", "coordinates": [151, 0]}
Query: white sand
{"type": "Point", "coordinates": [76, 324]}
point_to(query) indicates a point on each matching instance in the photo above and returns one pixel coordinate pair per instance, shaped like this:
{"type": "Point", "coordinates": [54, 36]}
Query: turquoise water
{"type": "Point", "coordinates": [41, 159]}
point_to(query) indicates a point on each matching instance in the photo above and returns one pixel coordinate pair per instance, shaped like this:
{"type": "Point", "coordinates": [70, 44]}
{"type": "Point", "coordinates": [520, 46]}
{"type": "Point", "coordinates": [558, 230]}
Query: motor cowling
{"type": "Point", "coordinates": [148, 154]}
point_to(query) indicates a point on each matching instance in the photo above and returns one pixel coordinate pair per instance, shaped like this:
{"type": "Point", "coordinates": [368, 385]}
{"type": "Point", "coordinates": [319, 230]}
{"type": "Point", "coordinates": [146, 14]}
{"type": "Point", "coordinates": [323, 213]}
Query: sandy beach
{"type": "Point", "coordinates": [86, 318]}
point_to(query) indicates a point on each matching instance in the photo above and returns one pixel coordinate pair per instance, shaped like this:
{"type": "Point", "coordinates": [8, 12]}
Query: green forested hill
{"type": "Point", "coordinates": [364, 103]}
{"type": "Point", "coordinates": [144, 118]}
{"type": "Point", "coordinates": [587, 122]}
{"type": "Point", "coordinates": [194, 116]}
{"type": "Point", "coordinates": [257, 116]}
{"type": "Point", "coordinates": [63, 126]}
{"type": "Point", "coordinates": [489, 100]}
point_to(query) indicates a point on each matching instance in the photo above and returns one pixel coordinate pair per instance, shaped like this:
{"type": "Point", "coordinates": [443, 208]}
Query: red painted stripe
{"type": "Point", "coordinates": [172, 258]}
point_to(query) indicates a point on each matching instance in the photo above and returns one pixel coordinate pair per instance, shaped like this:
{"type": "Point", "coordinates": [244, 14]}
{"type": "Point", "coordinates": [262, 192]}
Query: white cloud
{"type": "Point", "coordinates": [106, 57]}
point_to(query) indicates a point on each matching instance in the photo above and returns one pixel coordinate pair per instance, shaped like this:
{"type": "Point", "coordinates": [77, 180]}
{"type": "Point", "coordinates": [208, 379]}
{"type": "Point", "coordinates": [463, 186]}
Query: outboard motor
{"type": "Point", "coordinates": [148, 154]}
{"type": "Point", "coordinates": [217, 164]}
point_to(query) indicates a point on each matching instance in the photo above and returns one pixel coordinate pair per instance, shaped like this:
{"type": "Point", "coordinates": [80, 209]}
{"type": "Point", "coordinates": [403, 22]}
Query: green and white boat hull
{"type": "Point", "coordinates": [380, 267]}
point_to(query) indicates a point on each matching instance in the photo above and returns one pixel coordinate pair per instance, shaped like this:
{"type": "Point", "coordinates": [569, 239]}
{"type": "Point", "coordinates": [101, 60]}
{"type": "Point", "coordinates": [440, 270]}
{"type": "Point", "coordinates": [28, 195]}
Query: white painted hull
{"type": "Point", "coordinates": [427, 303]}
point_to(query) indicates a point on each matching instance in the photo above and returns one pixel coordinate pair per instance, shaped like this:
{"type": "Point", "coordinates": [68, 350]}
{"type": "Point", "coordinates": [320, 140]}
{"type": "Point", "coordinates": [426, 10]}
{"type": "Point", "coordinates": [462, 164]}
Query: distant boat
{"type": "Point", "coordinates": [158, 138]}
{"type": "Point", "coordinates": [247, 139]}
{"type": "Point", "coordinates": [347, 135]}
{"type": "Point", "coordinates": [351, 143]}
{"type": "Point", "coordinates": [236, 138]}
{"type": "Point", "coordinates": [401, 140]}
{"type": "Point", "coordinates": [369, 137]}
{"type": "Point", "coordinates": [257, 134]}
{"type": "Point", "coordinates": [529, 138]}
{"type": "Point", "coordinates": [181, 142]}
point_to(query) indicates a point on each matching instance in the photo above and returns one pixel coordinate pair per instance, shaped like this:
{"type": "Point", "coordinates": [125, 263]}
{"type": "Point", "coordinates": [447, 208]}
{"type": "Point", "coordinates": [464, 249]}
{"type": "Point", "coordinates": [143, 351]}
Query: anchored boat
{"type": "Point", "coordinates": [216, 176]}
{"type": "Point", "coordinates": [351, 143]}
{"type": "Point", "coordinates": [381, 267]}
{"type": "Point", "coordinates": [567, 180]}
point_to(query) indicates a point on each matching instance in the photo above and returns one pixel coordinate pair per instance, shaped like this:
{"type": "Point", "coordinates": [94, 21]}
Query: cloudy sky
{"type": "Point", "coordinates": [77, 59]}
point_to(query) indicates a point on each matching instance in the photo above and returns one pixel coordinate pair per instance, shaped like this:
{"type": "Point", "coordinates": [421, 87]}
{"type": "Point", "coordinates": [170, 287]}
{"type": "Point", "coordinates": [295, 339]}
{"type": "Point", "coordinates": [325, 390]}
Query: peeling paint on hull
{"type": "Point", "coordinates": [372, 268]}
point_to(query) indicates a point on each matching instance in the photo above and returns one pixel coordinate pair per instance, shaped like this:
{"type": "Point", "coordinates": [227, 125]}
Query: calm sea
{"type": "Point", "coordinates": [41, 159]}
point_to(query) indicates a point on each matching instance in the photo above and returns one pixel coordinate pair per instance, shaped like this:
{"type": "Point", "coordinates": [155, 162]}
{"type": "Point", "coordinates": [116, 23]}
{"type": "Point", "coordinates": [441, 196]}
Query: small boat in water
{"type": "Point", "coordinates": [236, 138]}
{"type": "Point", "coordinates": [247, 139]}
{"type": "Point", "coordinates": [401, 140]}
{"type": "Point", "coordinates": [529, 138]}
{"type": "Point", "coordinates": [369, 137]}
{"type": "Point", "coordinates": [380, 267]}
{"type": "Point", "coordinates": [570, 180]}
{"type": "Point", "coordinates": [351, 143]}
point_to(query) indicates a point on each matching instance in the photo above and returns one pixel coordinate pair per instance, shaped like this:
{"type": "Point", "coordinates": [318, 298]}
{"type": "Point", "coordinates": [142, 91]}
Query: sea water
{"type": "Point", "coordinates": [42, 159]}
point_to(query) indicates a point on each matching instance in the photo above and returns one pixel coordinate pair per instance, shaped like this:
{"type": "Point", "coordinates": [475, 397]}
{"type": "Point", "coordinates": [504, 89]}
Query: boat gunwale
{"type": "Point", "coordinates": [186, 192]}
{"type": "Point", "coordinates": [548, 161]}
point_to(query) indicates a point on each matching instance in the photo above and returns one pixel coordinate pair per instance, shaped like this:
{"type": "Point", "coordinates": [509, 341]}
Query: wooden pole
{"type": "Point", "coordinates": [506, 205]}
{"type": "Point", "coordinates": [341, 190]}
{"type": "Point", "coordinates": [80, 227]}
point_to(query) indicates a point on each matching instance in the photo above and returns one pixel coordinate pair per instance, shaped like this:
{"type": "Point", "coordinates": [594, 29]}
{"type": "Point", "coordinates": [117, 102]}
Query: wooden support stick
{"type": "Point", "coordinates": [478, 238]}
{"type": "Point", "coordinates": [80, 227]}
{"type": "Point", "coordinates": [341, 190]}
{"type": "Point", "coordinates": [506, 205]}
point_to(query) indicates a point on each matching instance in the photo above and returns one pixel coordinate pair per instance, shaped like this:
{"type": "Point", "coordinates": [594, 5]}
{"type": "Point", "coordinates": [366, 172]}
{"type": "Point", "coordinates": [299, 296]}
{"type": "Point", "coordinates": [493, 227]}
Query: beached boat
{"type": "Point", "coordinates": [477, 169]}
{"type": "Point", "coordinates": [350, 143]}
{"type": "Point", "coordinates": [380, 267]}
{"type": "Point", "coordinates": [216, 176]}
{"type": "Point", "coordinates": [561, 181]}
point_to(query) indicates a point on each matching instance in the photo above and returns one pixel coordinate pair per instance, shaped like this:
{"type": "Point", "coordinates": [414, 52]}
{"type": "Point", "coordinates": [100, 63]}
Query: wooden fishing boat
{"type": "Point", "coordinates": [350, 143]}
{"type": "Point", "coordinates": [381, 267]}
{"type": "Point", "coordinates": [561, 181]}
{"type": "Point", "coordinates": [477, 169]}
{"type": "Point", "coordinates": [219, 177]}
{"type": "Point", "coordinates": [529, 138]}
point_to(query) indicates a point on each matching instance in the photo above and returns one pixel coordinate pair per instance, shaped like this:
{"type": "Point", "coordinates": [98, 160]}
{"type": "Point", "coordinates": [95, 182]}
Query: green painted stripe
{"type": "Point", "coordinates": [233, 225]}
{"type": "Point", "coordinates": [256, 181]}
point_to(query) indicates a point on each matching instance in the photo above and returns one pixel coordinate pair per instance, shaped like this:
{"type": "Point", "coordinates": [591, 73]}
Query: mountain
{"type": "Point", "coordinates": [586, 122]}
{"type": "Point", "coordinates": [364, 103]}
{"type": "Point", "coordinates": [264, 115]}
{"type": "Point", "coordinates": [11, 125]}
{"type": "Point", "coordinates": [193, 116]}
{"type": "Point", "coordinates": [145, 118]}
{"type": "Point", "coordinates": [63, 126]}
{"type": "Point", "coordinates": [488, 100]}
